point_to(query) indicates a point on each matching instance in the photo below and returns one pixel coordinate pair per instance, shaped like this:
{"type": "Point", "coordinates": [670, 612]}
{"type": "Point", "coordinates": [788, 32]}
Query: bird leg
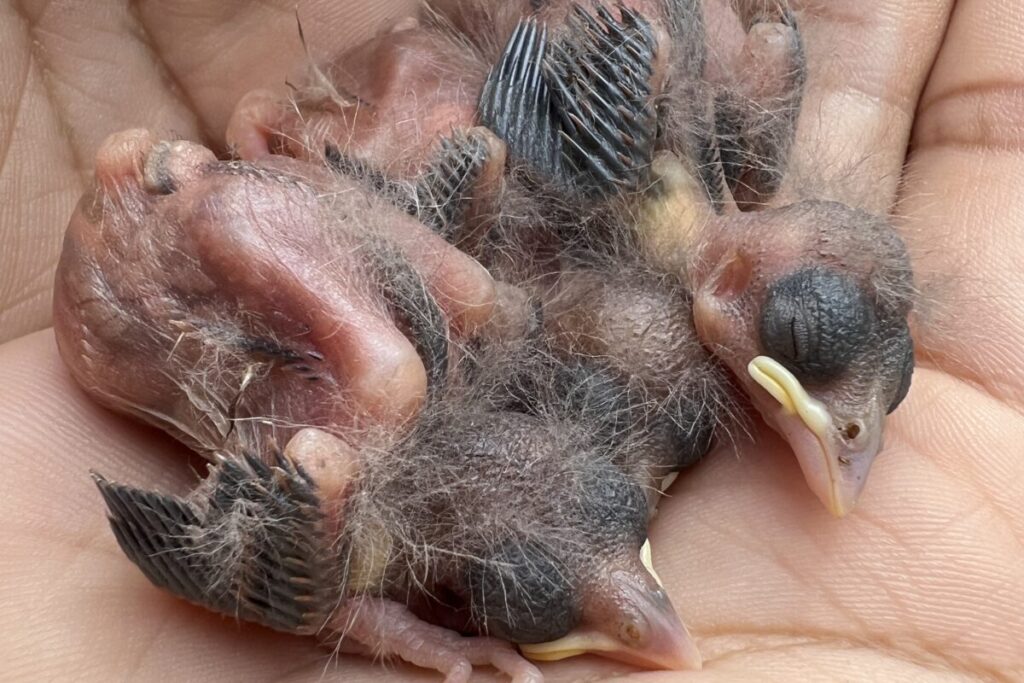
{"type": "Point", "coordinates": [386, 628]}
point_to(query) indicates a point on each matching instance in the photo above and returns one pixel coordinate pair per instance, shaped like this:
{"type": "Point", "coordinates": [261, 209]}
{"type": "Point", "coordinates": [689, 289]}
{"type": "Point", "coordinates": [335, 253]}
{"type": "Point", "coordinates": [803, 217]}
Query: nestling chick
{"type": "Point", "coordinates": [805, 301]}
{"type": "Point", "coordinates": [214, 300]}
{"type": "Point", "coordinates": [260, 286]}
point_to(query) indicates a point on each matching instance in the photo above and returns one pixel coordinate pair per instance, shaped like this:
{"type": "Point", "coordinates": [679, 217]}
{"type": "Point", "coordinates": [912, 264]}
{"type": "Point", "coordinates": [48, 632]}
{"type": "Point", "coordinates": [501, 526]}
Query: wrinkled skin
{"type": "Point", "coordinates": [924, 581]}
{"type": "Point", "coordinates": [173, 255]}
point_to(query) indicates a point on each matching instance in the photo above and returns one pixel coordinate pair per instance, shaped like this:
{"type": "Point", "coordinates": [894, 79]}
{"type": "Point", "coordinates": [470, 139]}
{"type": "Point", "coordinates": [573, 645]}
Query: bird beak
{"type": "Point", "coordinates": [835, 454]}
{"type": "Point", "coordinates": [655, 640]}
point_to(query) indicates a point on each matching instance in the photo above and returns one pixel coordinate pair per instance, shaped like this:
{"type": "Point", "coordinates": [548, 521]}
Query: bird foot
{"type": "Point", "coordinates": [387, 628]}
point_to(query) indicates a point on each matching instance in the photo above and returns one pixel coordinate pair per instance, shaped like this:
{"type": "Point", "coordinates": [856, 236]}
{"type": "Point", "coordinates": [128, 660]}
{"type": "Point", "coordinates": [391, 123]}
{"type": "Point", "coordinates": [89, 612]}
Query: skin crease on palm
{"type": "Point", "coordinates": [923, 581]}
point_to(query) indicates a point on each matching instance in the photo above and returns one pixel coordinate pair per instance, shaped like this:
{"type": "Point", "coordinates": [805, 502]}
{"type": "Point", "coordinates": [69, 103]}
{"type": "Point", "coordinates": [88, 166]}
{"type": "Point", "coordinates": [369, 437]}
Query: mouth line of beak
{"type": "Point", "coordinates": [668, 644]}
{"type": "Point", "coordinates": [647, 560]}
{"type": "Point", "coordinates": [681, 655]}
{"type": "Point", "coordinates": [572, 645]}
{"type": "Point", "coordinates": [796, 403]}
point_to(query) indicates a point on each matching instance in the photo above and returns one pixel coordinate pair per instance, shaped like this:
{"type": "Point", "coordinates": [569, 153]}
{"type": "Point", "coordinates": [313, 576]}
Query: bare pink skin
{"type": "Point", "coordinates": [216, 270]}
{"type": "Point", "coordinates": [387, 101]}
{"type": "Point", "coordinates": [381, 627]}
{"type": "Point", "coordinates": [642, 330]}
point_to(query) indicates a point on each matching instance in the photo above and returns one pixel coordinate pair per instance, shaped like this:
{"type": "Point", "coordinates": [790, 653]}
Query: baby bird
{"type": "Point", "coordinates": [214, 299]}
{"type": "Point", "coordinates": [221, 270]}
{"type": "Point", "coordinates": [805, 301]}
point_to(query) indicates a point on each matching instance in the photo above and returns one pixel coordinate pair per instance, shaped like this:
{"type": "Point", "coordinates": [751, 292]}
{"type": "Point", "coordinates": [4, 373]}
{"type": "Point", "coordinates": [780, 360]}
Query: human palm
{"type": "Point", "coordinates": [924, 580]}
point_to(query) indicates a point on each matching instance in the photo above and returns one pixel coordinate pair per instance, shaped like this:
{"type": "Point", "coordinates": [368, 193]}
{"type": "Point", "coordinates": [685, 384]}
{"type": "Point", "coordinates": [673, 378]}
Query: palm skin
{"type": "Point", "coordinates": [924, 580]}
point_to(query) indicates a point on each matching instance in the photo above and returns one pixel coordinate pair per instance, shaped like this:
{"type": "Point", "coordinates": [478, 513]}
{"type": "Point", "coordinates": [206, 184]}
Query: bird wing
{"type": "Point", "coordinates": [249, 544]}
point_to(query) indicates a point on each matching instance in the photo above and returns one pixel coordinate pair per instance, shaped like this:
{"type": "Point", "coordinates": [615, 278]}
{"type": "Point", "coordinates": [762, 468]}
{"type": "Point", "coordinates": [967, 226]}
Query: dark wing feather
{"type": "Point", "coordinates": [516, 101]}
{"type": "Point", "coordinates": [578, 111]}
{"type": "Point", "coordinates": [446, 190]}
{"type": "Point", "coordinates": [441, 195]}
{"type": "Point", "coordinates": [249, 545]}
{"type": "Point", "coordinates": [601, 80]}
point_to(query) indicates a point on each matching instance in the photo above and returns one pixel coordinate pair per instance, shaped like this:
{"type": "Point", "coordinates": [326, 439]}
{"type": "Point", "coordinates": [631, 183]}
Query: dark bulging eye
{"type": "Point", "coordinates": [815, 322]}
{"type": "Point", "coordinates": [521, 593]}
{"type": "Point", "coordinates": [905, 368]}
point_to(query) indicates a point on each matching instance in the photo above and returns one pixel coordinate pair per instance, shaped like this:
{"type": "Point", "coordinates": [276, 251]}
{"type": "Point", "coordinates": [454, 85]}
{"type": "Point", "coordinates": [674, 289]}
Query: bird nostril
{"type": "Point", "coordinates": [851, 431]}
{"type": "Point", "coordinates": [630, 634]}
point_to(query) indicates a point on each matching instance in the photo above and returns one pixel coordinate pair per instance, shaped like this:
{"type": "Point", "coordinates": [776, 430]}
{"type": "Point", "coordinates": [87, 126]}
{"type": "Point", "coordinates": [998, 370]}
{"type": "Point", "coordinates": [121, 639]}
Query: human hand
{"type": "Point", "coordinates": [924, 579]}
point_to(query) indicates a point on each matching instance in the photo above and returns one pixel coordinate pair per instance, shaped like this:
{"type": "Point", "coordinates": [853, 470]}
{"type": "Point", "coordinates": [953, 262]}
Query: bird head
{"type": "Point", "coordinates": [590, 587]}
{"type": "Point", "coordinates": [626, 615]}
{"type": "Point", "coordinates": [807, 304]}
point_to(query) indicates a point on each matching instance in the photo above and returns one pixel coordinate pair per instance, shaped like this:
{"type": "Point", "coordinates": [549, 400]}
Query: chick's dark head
{"type": "Point", "coordinates": [623, 611]}
{"type": "Point", "coordinates": [527, 531]}
{"type": "Point", "coordinates": [587, 587]}
{"type": "Point", "coordinates": [808, 306]}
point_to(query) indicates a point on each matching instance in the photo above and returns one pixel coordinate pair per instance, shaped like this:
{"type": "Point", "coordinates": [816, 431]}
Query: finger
{"type": "Point", "coordinates": [67, 80]}
{"type": "Point", "coordinates": [866, 62]}
{"type": "Point", "coordinates": [963, 199]}
{"type": "Point", "coordinates": [98, 79]}
{"type": "Point", "coordinates": [216, 52]}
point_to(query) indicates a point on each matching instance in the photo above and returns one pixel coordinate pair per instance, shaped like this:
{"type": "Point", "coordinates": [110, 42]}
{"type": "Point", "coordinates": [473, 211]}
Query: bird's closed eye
{"type": "Point", "coordinates": [815, 322]}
